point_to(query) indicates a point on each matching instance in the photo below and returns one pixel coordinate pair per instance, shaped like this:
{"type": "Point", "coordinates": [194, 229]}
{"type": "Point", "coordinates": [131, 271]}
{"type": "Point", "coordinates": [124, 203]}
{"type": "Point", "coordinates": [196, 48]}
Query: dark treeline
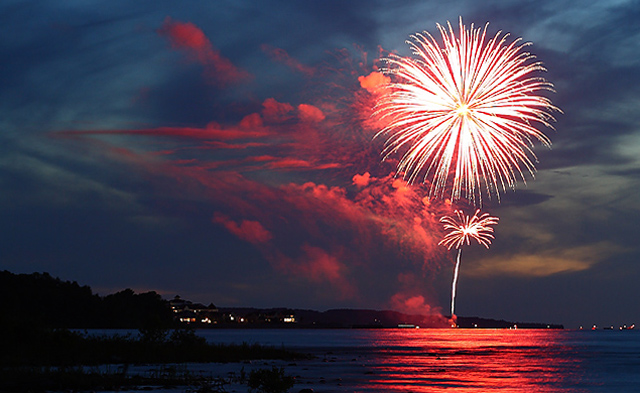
{"type": "Point", "coordinates": [43, 301]}
{"type": "Point", "coordinates": [38, 352]}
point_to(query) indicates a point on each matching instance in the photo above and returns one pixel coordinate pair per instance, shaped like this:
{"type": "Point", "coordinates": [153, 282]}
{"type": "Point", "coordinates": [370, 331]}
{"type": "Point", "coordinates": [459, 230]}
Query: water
{"type": "Point", "coordinates": [455, 360]}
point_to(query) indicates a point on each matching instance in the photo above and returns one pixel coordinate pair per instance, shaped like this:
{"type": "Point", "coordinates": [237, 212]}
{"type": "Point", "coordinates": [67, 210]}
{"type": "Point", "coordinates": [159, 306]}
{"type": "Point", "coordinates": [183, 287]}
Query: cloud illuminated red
{"type": "Point", "coordinates": [373, 81]}
{"type": "Point", "coordinates": [276, 112]}
{"type": "Point", "coordinates": [280, 55]}
{"type": "Point", "coordinates": [251, 231]}
{"type": "Point", "coordinates": [310, 113]}
{"type": "Point", "coordinates": [211, 131]}
{"type": "Point", "coordinates": [361, 180]}
{"type": "Point", "coordinates": [190, 38]}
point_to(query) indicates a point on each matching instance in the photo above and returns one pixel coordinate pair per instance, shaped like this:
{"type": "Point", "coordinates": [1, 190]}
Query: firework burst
{"type": "Point", "coordinates": [461, 229]}
{"type": "Point", "coordinates": [462, 114]}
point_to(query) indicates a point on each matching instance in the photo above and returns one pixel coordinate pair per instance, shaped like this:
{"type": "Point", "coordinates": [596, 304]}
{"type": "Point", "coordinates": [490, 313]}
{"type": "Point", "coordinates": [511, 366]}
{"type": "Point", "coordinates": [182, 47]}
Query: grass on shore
{"type": "Point", "coordinates": [49, 360]}
{"type": "Point", "coordinates": [79, 378]}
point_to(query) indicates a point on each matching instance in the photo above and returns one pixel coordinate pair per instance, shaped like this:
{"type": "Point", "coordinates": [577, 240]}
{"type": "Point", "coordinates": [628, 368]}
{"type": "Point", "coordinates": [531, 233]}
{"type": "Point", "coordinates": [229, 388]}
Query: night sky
{"type": "Point", "coordinates": [224, 151]}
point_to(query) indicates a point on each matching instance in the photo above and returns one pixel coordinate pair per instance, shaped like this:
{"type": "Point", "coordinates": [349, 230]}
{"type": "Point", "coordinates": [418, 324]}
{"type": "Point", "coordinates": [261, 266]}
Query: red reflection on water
{"type": "Point", "coordinates": [476, 361]}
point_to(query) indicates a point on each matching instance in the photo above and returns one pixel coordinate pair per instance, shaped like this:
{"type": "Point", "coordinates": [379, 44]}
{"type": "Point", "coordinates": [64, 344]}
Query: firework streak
{"type": "Point", "coordinates": [461, 230]}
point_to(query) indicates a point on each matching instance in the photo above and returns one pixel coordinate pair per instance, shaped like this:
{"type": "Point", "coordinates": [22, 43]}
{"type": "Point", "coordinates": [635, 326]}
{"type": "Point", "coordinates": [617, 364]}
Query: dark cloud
{"type": "Point", "coordinates": [523, 197]}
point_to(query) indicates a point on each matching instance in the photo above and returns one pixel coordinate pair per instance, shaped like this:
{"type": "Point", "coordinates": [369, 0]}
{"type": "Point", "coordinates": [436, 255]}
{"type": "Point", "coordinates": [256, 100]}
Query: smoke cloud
{"type": "Point", "coordinates": [300, 182]}
{"type": "Point", "coordinates": [188, 37]}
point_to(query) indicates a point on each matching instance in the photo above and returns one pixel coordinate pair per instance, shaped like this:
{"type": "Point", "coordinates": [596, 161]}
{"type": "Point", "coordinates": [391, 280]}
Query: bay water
{"type": "Point", "coordinates": [454, 360]}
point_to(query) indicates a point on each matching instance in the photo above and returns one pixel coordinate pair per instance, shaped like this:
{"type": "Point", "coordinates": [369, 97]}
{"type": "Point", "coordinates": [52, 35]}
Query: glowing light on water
{"type": "Point", "coordinates": [462, 114]}
{"type": "Point", "coordinates": [461, 229]}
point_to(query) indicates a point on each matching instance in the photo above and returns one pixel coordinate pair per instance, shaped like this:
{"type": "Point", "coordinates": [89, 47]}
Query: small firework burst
{"type": "Point", "coordinates": [463, 228]}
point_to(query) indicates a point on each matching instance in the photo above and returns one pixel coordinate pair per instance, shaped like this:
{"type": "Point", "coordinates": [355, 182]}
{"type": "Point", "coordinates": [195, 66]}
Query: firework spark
{"type": "Point", "coordinates": [462, 229]}
{"type": "Point", "coordinates": [463, 114]}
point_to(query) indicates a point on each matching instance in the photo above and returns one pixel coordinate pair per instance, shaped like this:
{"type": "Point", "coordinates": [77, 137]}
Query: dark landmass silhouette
{"type": "Point", "coordinates": [38, 299]}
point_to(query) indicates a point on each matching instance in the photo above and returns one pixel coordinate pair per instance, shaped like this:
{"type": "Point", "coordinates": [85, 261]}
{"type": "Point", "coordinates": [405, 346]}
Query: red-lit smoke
{"type": "Point", "coordinates": [191, 39]}
{"type": "Point", "coordinates": [299, 181]}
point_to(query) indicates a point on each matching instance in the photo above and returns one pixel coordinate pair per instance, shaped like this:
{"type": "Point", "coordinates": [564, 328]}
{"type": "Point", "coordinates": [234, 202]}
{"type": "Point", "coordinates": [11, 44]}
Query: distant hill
{"type": "Point", "coordinates": [40, 300]}
{"type": "Point", "coordinates": [477, 322]}
{"type": "Point", "coordinates": [358, 318]}
{"type": "Point", "coordinates": [340, 318]}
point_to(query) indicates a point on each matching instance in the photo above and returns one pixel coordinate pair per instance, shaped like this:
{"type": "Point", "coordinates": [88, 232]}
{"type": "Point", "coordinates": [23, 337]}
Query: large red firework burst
{"type": "Point", "coordinates": [462, 114]}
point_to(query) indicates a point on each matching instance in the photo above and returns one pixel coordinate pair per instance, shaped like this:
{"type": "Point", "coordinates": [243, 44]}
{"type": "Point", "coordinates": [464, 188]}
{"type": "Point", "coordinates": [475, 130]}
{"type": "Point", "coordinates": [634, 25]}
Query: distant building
{"type": "Point", "coordinates": [186, 311]}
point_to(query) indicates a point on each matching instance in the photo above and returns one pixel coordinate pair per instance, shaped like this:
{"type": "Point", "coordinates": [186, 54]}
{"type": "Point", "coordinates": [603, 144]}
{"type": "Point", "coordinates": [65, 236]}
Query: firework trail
{"type": "Point", "coordinates": [462, 115]}
{"type": "Point", "coordinates": [462, 229]}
